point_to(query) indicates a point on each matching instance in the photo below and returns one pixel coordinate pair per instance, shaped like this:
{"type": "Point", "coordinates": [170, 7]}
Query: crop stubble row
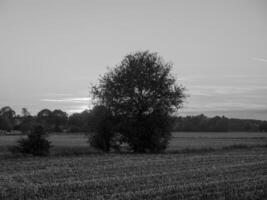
{"type": "Point", "coordinates": [164, 176]}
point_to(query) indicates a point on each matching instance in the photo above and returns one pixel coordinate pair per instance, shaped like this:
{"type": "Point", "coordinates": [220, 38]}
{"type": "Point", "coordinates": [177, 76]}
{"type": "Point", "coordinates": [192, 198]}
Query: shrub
{"type": "Point", "coordinates": [35, 144]}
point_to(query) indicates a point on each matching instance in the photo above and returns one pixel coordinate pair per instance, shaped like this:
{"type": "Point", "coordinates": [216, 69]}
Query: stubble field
{"type": "Point", "coordinates": [226, 173]}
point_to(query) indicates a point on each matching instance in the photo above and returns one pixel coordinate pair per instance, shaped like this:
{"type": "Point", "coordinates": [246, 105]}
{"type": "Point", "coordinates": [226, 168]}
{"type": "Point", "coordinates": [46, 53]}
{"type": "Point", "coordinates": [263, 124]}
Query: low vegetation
{"type": "Point", "coordinates": [35, 144]}
{"type": "Point", "coordinates": [77, 143]}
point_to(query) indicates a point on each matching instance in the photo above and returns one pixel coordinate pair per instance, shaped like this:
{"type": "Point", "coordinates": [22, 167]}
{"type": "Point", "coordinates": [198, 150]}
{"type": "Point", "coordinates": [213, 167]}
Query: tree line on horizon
{"type": "Point", "coordinates": [59, 121]}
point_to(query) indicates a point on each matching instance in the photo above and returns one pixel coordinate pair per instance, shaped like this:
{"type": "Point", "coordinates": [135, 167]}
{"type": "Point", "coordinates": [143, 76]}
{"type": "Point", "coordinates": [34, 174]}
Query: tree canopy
{"type": "Point", "coordinates": [141, 93]}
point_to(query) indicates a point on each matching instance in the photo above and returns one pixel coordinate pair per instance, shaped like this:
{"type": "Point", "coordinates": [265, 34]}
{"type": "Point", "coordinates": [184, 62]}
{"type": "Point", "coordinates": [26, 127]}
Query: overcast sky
{"type": "Point", "coordinates": [50, 51]}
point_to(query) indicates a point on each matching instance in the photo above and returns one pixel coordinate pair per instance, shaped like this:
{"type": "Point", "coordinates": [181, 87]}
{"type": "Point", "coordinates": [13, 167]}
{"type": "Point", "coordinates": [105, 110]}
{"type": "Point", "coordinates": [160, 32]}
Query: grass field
{"type": "Point", "coordinates": [215, 140]}
{"type": "Point", "coordinates": [226, 173]}
{"type": "Point", "coordinates": [77, 143]}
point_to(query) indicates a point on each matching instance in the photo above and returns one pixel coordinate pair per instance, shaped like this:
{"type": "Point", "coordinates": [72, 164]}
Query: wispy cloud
{"type": "Point", "coordinates": [223, 106]}
{"type": "Point", "coordinates": [208, 90]}
{"type": "Point", "coordinates": [78, 109]}
{"type": "Point", "coordinates": [58, 94]}
{"type": "Point", "coordinates": [244, 76]}
{"type": "Point", "coordinates": [70, 104]}
{"type": "Point", "coordinates": [260, 59]}
{"type": "Point", "coordinates": [69, 100]}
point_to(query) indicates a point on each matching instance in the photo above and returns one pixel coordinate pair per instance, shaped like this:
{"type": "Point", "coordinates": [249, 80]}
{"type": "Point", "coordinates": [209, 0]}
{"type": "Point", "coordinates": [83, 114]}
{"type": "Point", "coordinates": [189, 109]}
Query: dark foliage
{"type": "Point", "coordinates": [263, 126]}
{"type": "Point", "coordinates": [149, 133]}
{"type": "Point", "coordinates": [26, 124]}
{"type": "Point", "coordinates": [217, 124]}
{"type": "Point", "coordinates": [78, 122]}
{"type": "Point", "coordinates": [58, 121]}
{"type": "Point", "coordinates": [44, 117]}
{"type": "Point", "coordinates": [52, 120]}
{"type": "Point", "coordinates": [7, 118]}
{"type": "Point", "coordinates": [101, 128]}
{"type": "Point", "coordinates": [35, 144]}
{"type": "Point", "coordinates": [140, 91]}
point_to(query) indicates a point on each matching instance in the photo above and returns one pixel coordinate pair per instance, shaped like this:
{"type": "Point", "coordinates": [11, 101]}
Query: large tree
{"type": "Point", "coordinates": [141, 93]}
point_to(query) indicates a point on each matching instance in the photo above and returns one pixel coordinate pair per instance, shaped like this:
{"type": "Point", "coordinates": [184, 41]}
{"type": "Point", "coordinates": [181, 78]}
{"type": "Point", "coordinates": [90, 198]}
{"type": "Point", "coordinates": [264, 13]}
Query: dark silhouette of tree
{"type": "Point", "coordinates": [25, 112]}
{"type": "Point", "coordinates": [100, 124]}
{"type": "Point", "coordinates": [7, 118]}
{"type": "Point", "coordinates": [59, 120]}
{"type": "Point", "coordinates": [263, 126]}
{"type": "Point", "coordinates": [141, 94]}
{"type": "Point", "coordinates": [27, 122]}
{"type": "Point", "coordinates": [52, 120]}
{"type": "Point", "coordinates": [44, 115]}
{"type": "Point", "coordinates": [35, 144]}
{"type": "Point", "coordinates": [215, 124]}
{"type": "Point", "coordinates": [78, 122]}
{"type": "Point", "coordinates": [44, 118]}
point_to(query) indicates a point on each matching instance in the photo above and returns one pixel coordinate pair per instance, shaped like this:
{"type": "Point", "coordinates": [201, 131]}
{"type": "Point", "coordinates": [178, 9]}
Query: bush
{"type": "Point", "coordinates": [35, 144]}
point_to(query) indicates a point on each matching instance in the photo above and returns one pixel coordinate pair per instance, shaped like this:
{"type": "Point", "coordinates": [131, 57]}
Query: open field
{"type": "Point", "coordinates": [229, 174]}
{"type": "Point", "coordinates": [62, 143]}
{"type": "Point", "coordinates": [215, 140]}
{"type": "Point", "coordinates": [234, 173]}
{"type": "Point", "coordinates": [77, 143]}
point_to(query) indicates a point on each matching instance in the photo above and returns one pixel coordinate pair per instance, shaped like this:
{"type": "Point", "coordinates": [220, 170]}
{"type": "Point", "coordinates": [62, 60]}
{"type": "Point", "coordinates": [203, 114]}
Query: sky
{"type": "Point", "coordinates": [52, 51]}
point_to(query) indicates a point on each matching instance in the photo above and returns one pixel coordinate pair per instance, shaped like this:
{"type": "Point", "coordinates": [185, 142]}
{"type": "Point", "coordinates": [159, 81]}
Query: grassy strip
{"type": "Point", "coordinates": [209, 149]}
{"type": "Point", "coordinates": [80, 151]}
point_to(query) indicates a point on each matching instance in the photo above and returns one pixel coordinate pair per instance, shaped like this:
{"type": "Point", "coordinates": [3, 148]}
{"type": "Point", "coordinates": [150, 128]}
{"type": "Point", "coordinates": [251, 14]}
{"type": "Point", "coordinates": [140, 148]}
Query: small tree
{"type": "Point", "coordinates": [35, 144]}
{"type": "Point", "coordinates": [141, 94]}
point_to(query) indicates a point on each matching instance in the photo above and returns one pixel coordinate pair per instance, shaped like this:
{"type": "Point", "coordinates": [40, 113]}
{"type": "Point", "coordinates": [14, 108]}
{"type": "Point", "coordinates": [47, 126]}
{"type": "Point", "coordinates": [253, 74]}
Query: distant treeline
{"type": "Point", "coordinates": [59, 121]}
{"type": "Point", "coordinates": [52, 120]}
{"type": "Point", "coordinates": [218, 124]}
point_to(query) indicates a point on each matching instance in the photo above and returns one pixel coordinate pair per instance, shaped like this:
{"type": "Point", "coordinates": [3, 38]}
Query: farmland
{"type": "Point", "coordinates": [215, 140]}
{"type": "Point", "coordinates": [77, 143]}
{"type": "Point", "coordinates": [234, 173]}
